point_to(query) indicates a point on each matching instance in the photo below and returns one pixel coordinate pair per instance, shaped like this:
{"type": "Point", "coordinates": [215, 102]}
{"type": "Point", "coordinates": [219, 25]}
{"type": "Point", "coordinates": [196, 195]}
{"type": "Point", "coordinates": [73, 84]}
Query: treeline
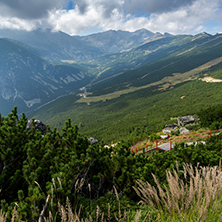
{"type": "Point", "coordinates": [34, 167]}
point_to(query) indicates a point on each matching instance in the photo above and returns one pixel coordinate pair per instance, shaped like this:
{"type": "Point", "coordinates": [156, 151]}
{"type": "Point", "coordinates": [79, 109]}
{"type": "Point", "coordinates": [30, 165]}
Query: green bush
{"type": "Point", "coordinates": [34, 168]}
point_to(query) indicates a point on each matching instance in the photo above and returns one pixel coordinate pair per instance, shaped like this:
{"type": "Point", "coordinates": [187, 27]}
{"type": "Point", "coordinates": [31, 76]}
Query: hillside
{"type": "Point", "coordinates": [137, 113]}
{"type": "Point", "coordinates": [142, 100]}
{"type": "Point", "coordinates": [28, 81]}
{"type": "Point", "coordinates": [135, 89]}
{"type": "Point", "coordinates": [165, 57]}
{"type": "Point", "coordinates": [40, 66]}
{"type": "Point", "coordinates": [90, 180]}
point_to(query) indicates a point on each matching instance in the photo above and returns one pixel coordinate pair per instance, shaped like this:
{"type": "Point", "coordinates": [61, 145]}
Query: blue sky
{"type": "Point", "coordinates": [82, 17]}
{"type": "Point", "coordinates": [70, 5]}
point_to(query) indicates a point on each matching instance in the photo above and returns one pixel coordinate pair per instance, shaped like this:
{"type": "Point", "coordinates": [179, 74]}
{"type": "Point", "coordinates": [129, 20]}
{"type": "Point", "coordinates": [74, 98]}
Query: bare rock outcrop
{"type": "Point", "coordinates": [38, 125]}
{"type": "Point", "coordinates": [186, 120]}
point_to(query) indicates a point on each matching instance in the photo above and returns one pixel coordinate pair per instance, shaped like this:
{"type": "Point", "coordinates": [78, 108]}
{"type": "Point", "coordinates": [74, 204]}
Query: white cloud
{"type": "Point", "coordinates": [186, 19]}
{"type": "Point", "coordinates": [15, 23]}
{"type": "Point", "coordinates": [180, 17]}
{"type": "Point", "coordinates": [95, 15]}
{"type": "Point", "coordinates": [73, 21]}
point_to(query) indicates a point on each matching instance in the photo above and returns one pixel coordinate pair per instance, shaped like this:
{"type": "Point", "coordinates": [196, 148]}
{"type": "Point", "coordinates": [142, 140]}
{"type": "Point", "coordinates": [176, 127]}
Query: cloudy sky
{"type": "Point", "coordinates": [82, 17]}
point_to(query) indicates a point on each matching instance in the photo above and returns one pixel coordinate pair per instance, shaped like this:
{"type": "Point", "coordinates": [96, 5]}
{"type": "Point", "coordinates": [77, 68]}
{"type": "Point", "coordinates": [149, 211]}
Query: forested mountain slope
{"type": "Point", "coordinates": [125, 90]}
{"type": "Point", "coordinates": [161, 58]}
{"type": "Point", "coordinates": [145, 98]}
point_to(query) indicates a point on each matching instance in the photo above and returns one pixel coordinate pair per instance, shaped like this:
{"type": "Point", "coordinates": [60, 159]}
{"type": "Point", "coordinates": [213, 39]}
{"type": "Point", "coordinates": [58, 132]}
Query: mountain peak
{"type": "Point", "coordinates": [203, 34]}
{"type": "Point", "coordinates": [144, 31]}
{"type": "Point", "coordinates": [113, 41]}
{"type": "Point", "coordinates": [166, 34]}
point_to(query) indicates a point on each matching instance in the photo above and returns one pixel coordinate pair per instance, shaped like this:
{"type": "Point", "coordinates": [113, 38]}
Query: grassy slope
{"type": "Point", "coordinates": [166, 82]}
{"type": "Point", "coordinates": [115, 119]}
{"type": "Point", "coordinates": [175, 62]}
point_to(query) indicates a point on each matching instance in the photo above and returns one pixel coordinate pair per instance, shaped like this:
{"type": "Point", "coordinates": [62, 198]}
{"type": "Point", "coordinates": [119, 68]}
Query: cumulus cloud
{"type": "Point", "coordinates": [180, 17]}
{"type": "Point", "coordinates": [174, 16]}
{"type": "Point", "coordinates": [106, 6]}
{"type": "Point", "coordinates": [15, 23]}
{"type": "Point", "coordinates": [88, 14]}
{"type": "Point", "coordinates": [185, 20]}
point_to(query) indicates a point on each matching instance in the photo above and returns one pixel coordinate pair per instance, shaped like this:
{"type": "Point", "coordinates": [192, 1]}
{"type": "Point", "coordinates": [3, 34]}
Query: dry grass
{"type": "Point", "coordinates": [196, 197]}
{"type": "Point", "coordinates": [67, 214]}
{"type": "Point", "coordinates": [2, 216]}
{"type": "Point", "coordinates": [195, 200]}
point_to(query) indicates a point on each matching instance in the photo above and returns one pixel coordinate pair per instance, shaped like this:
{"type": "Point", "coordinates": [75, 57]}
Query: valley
{"type": "Point", "coordinates": [135, 82]}
{"type": "Point", "coordinates": [163, 84]}
{"type": "Point", "coordinates": [140, 101]}
{"type": "Point", "coordinates": [106, 99]}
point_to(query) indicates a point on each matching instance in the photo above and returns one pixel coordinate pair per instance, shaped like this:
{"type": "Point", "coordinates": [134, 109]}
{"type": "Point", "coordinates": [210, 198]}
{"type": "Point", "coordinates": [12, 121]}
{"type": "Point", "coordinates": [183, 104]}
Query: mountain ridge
{"type": "Point", "coordinates": [124, 40]}
{"type": "Point", "coordinates": [43, 82]}
{"type": "Point", "coordinates": [147, 96]}
{"type": "Point", "coordinates": [57, 46]}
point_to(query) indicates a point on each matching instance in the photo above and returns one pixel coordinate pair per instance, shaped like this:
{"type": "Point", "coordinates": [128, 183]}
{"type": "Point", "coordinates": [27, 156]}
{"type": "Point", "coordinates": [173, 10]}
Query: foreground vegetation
{"type": "Point", "coordinates": [195, 197]}
{"type": "Point", "coordinates": [64, 177]}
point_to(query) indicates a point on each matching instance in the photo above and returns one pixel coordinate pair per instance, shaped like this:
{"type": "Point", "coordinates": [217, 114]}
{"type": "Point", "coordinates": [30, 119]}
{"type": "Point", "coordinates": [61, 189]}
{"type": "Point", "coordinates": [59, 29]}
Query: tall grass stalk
{"type": "Point", "coordinates": [196, 197]}
{"type": "Point", "coordinates": [3, 216]}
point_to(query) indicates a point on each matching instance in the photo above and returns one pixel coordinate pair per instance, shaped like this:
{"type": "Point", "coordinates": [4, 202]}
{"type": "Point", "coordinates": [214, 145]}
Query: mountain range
{"type": "Point", "coordinates": [40, 66]}
{"type": "Point", "coordinates": [125, 77]}
{"type": "Point", "coordinates": [57, 46]}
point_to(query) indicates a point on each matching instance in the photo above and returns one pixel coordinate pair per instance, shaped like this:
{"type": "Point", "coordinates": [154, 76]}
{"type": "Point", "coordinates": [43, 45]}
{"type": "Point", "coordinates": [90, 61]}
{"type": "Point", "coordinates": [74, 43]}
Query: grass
{"type": "Point", "coordinates": [191, 194]}
{"type": "Point", "coordinates": [196, 197]}
{"type": "Point", "coordinates": [147, 109]}
{"type": "Point", "coordinates": [167, 82]}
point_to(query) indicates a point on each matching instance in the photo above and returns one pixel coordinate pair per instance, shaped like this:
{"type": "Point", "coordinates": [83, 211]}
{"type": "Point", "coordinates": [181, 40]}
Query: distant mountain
{"type": "Point", "coordinates": [54, 46]}
{"type": "Point", "coordinates": [28, 81]}
{"type": "Point", "coordinates": [117, 41]}
{"type": "Point", "coordinates": [145, 87]}
{"type": "Point", "coordinates": [32, 74]}
{"type": "Point", "coordinates": [57, 46]}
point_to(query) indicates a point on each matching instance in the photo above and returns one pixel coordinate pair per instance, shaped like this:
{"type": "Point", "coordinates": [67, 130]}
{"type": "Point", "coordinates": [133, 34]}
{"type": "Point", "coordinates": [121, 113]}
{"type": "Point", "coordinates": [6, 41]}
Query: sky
{"type": "Point", "coordinates": [83, 17]}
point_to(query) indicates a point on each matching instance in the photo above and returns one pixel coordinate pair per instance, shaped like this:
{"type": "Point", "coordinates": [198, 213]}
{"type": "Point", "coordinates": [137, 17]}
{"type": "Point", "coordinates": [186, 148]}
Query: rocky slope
{"type": "Point", "coordinates": [28, 81]}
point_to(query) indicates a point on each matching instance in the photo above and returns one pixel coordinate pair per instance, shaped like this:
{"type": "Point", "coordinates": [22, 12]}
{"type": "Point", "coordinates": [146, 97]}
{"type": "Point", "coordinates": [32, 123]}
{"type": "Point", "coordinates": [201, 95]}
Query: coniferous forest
{"type": "Point", "coordinates": [62, 177]}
